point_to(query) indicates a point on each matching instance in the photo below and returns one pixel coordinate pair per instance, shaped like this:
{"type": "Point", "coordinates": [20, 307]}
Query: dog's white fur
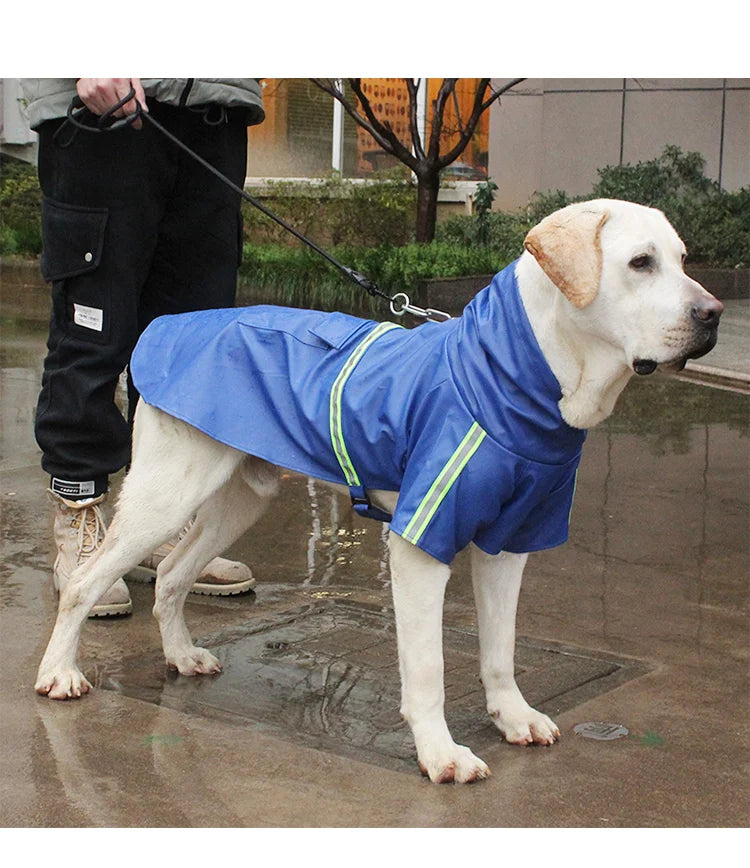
{"type": "Point", "coordinates": [594, 314]}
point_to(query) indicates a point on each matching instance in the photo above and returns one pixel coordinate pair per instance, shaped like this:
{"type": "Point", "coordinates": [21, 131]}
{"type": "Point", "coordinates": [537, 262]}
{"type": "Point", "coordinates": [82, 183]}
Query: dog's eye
{"type": "Point", "coordinates": [642, 263]}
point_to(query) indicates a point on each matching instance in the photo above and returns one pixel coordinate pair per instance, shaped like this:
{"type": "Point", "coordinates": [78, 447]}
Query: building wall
{"type": "Point", "coordinates": [550, 134]}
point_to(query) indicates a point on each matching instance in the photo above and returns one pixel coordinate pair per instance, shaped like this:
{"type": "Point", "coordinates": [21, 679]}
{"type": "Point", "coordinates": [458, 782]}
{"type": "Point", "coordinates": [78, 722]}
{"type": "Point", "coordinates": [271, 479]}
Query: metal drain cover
{"type": "Point", "coordinates": [601, 731]}
{"type": "Point", "coordinates": [327, 677]}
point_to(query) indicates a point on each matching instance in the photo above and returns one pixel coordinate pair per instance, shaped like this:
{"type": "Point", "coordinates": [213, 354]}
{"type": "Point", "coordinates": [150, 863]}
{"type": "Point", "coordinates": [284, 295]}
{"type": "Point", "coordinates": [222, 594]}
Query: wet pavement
{"type": "Point", "coordinates": [640, 620]}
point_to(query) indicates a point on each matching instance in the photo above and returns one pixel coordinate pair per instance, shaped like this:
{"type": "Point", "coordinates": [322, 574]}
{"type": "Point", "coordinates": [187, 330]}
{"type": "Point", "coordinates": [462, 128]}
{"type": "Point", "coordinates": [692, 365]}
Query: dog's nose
{"type": "Point", "coordinates": [708, 312]}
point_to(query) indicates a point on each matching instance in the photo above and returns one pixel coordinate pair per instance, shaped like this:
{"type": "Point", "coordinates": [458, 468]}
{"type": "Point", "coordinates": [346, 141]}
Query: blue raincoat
{"type": "Point", "coordinates": [460, 417]}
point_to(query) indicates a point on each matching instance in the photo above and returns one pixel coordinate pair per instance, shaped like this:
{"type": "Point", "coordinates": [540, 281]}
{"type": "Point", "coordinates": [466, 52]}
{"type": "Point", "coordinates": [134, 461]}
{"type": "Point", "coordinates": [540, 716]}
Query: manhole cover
{"type": "Point", "coordinates": [327, 677]}
{"type": "Point", "coordinates": [601, 731]}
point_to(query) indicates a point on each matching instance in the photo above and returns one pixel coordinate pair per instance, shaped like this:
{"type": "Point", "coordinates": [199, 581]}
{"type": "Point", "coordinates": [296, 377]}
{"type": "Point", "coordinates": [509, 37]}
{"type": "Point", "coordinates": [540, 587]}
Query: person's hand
{"type": "Point", "coordinates": [100, 94]}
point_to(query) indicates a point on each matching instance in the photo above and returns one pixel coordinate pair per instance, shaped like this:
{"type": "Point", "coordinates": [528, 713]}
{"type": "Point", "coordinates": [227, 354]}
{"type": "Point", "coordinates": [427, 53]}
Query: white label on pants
{"type": "Point", "coordinates": [88, 317]}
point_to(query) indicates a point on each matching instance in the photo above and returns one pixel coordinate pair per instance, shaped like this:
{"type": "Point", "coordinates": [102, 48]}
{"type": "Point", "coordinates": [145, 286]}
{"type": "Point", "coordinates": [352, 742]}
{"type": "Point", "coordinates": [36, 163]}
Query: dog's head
{"type": "Point", "coordinates": [620, 266]}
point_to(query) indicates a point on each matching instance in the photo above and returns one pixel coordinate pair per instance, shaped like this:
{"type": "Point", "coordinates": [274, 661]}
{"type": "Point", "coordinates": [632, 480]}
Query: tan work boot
{"type": "Point", "coordinates": [79, 530]}
{"type": "Point", "coordinates": [220, 577]}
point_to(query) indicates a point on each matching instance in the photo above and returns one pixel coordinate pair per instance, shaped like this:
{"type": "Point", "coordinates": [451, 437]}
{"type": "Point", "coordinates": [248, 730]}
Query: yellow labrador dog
{"type": "Point", "coordinates": [473, 439]}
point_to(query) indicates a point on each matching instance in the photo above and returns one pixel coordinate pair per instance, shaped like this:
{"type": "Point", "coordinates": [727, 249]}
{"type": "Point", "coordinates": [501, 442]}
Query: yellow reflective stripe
{"type": "Point", "coordinates": [443, 484]}
{"type": "Point", "coordinates": [337, 433]}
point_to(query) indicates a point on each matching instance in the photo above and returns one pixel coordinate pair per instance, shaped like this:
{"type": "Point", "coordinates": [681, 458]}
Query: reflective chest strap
{"type": "Point", "coordinates": [443, 483]}
{"type": "Point", "coordinates": [360, 501]}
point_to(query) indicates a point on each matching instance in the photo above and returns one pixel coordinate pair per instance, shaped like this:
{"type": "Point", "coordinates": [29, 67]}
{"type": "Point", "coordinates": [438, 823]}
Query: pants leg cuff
{"type": "Point", "coordinates": [78, 489]}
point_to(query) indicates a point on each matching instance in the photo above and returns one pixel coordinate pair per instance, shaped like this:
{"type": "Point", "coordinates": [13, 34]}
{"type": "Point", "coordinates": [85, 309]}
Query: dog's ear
{"type": "Point", "coordinates": [567, 245]}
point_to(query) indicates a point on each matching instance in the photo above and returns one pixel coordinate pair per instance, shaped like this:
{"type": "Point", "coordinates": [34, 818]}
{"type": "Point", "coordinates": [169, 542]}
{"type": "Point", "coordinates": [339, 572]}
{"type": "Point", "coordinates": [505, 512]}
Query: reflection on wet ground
{"type": "Point", "coordinates": [656, 569]}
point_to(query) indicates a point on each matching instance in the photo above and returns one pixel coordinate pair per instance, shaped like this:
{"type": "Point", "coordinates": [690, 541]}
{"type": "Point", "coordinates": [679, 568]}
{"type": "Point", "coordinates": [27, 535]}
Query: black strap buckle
{"type": "Point", "coordinates": [362, 506]}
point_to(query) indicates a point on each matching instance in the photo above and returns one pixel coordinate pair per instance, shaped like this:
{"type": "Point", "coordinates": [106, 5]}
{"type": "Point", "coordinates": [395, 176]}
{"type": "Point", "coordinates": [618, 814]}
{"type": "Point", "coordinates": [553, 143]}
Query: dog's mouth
{"type": "Point", "coordinates": [644, 367]}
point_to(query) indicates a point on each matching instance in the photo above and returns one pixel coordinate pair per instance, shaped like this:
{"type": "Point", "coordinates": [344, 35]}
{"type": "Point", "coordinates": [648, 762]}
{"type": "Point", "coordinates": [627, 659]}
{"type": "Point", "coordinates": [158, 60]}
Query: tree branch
{"type": "Point", "coordinates": [438, 111]}
{"type": "Point", "coordinates": [425, 160]}
{"type": "Point", "coordinates": [387, 139]}
{"type": "Point", "coordinates": [457, 109]}
{"type": "Point", "coordinates": [479, 107]}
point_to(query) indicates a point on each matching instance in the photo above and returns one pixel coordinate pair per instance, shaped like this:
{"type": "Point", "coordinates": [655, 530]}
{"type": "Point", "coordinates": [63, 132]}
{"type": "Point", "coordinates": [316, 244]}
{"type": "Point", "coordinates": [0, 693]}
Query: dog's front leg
{"type": "Point", "coordinates": [497, 584]}
{"type": "Point", "coordinates": [418, 584]}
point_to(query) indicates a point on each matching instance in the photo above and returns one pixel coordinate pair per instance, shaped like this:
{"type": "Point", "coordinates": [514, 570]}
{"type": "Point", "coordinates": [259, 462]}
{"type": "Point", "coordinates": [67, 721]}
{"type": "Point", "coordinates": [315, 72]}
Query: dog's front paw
{"type": "Point", "coordinates": [194, 661]}
{"type": "Point", "coordinates": [454, 764]}
{"type": "Point", "coordinates": [526, 726]}
{"type": "Point", "coordinates": [69, 683]}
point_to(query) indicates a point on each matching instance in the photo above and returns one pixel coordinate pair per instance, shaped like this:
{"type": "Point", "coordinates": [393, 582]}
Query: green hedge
{"type": "Point", "coordinates": [374, 222]}
{"type": "Point", "coordinates": [20, 202]}
{"type": "Point", "coordinates": [496, 230]}
{"type": "Point", "coordinates": [299, 277]}
{"type": "Point", "coordinates": [714, 224]}
{"type": "Point", "coordinates": [334, 211]}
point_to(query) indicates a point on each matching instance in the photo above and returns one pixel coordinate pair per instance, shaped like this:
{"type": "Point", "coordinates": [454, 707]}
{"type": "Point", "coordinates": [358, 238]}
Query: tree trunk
{"type": "Point", "coordinates": [428, 186]}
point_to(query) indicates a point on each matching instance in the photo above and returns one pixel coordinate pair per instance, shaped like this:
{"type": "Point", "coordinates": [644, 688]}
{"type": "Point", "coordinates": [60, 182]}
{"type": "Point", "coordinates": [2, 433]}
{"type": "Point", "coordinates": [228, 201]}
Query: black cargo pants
{"type": "Point", "coordinates": [132, 228]}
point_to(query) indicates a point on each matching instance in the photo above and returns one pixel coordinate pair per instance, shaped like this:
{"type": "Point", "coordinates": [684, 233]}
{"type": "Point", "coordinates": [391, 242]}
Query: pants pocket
{"type": "Point", "coordinates": [73, 239]}
{"type": "Point", "coordinates": [73, 245]}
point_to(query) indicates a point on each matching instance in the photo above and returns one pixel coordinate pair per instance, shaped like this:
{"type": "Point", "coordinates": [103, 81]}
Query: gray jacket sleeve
{"type": "Point", "coordinates": [48, 98]}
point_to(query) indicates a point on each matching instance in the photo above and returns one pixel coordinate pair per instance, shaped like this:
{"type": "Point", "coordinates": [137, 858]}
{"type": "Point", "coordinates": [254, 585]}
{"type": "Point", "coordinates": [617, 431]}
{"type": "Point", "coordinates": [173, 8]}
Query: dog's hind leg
{"type": "Point", "coordinates": [497, 584]}
{"type": "Point", "coordinates": [220, 521]}
{"type": "Point", "coordinates": [58, 676]}
{"type": "Point", "coordinates": [175, 468]}
{"type": "Point", "coordinates": [418, 584]}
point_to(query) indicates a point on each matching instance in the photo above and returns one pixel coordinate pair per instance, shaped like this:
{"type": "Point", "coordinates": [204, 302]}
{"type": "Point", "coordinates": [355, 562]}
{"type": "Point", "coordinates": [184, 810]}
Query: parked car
{"type": "Point", "coordinates": [463, 172]}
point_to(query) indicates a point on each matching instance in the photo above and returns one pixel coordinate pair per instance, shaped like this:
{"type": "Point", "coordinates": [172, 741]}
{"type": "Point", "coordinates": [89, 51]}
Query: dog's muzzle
{"type": "Point", "coordinates": [705, 316]}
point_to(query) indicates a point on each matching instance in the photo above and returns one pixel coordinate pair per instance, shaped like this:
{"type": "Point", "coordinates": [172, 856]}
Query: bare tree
{"type": "Point", "coordinates": [423, 158]}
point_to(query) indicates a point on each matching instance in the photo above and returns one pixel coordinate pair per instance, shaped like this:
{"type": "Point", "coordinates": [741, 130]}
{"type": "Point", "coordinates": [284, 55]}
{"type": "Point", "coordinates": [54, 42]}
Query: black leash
{"type": "Point", "coordinates": [81, 119]}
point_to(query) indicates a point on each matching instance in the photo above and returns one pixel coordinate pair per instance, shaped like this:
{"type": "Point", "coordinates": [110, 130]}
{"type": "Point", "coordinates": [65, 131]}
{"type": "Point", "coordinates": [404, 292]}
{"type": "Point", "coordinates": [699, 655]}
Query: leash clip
{"type": "Point", "coordinates": [400, 305]}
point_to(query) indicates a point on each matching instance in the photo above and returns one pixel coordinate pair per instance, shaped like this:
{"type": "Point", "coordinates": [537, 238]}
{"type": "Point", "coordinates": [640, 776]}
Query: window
{"type": "Point", "coordinates": [306, 133]}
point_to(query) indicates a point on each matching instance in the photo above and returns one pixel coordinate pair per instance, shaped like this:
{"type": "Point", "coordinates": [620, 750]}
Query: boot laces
{"type": "Point", "coordinates": [91, 528]}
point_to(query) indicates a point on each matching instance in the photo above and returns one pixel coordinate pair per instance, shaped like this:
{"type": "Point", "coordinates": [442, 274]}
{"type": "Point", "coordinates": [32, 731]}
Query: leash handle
{"type": "Point", "coordinates": [78, 113]}
{"type": "Point", "coordinates": [399, 303]}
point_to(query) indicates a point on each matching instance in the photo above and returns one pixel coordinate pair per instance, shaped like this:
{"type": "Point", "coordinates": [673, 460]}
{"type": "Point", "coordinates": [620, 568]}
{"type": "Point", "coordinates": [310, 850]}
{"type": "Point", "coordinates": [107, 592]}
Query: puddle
{"type": "Point", "coordinates": [327, 677]}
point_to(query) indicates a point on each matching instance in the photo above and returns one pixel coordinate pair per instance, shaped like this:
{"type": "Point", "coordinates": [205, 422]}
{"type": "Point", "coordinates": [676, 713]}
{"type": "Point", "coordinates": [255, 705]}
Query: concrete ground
{"type": "Point", "coordinates": [655, 576]}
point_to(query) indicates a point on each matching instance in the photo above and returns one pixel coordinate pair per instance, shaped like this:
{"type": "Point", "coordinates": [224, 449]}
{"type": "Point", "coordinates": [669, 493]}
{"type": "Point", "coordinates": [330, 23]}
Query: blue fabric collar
{"type": "Point", "coordinates": [501, 374]}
